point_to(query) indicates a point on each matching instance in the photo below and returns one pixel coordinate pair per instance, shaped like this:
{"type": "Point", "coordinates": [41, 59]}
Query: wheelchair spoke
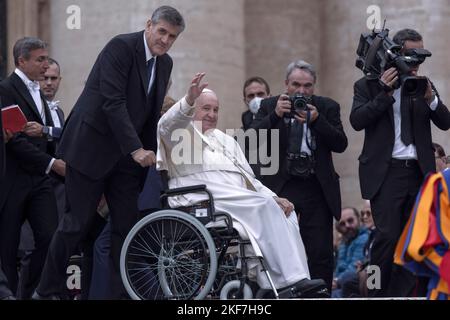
{"type": "Point", "coordinates": [152, 285]}
{"type": "Point", "coordinates": [156, 235]}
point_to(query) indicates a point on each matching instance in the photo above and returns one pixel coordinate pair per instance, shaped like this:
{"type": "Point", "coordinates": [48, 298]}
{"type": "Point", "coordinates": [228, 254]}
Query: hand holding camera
{"type": "Point", "coordinates": [379, 57]}
{"type": "Point", "coordinates": [301, 109]}
{"type": "Point", "coordinates": [283, 106]}
{"type": "Point", "coordinates": [302, 116]}
{"type": "Point", "coordinates": [388, 80]}
{"type": "Point", "coordinates": [430, 94]}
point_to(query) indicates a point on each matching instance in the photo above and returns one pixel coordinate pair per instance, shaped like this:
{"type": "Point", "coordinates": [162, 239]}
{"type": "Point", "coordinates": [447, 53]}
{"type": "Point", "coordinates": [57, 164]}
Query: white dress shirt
{"type": "Point", "coordinates": [401, 151]}
{"type": "Point", "coordinates": [33, 87]}
{"type": "Point", "coordinates": [53, 106]}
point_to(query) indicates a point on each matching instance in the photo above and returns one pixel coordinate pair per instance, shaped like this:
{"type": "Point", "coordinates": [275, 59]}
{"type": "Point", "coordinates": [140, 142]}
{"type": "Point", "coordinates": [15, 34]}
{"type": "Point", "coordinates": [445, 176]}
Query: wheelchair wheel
{"type": "Point", "coordinates": [230, 291]}
{"type": "Point", "coordinates": [226, 272]}
{"type": "Point", "coordinates": [168, 254]}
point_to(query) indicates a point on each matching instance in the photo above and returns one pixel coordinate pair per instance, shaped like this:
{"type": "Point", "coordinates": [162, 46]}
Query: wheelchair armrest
{"type": "Point", "coordinates": [183, 190]}
{"type": "Point", "coordinates": [190, 189]}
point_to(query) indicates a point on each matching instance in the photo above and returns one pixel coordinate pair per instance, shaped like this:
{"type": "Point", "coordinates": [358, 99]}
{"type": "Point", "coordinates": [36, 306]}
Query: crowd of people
{"type": "Point", "coordinates": [78, 185]}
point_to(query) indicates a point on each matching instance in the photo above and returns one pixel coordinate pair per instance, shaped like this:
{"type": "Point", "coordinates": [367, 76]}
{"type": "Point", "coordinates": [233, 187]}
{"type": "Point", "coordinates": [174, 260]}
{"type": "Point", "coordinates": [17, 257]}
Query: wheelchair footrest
{"type": "Point", "coordinates": [305, 289]}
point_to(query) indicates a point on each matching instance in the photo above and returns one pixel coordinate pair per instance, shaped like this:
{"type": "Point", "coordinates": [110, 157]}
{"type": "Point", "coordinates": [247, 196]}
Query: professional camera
{"type": "Point", "coordinates": [377, 53]}
{"type": "Point", "coordinates": [298, 103]}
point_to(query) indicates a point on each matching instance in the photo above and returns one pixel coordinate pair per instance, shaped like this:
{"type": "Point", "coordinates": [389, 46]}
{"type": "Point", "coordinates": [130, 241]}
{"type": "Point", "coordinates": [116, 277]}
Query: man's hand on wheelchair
{"type": "Point", "coordinates": [285, 205]}
{"type": "Point", "coordinates": [145, 158]}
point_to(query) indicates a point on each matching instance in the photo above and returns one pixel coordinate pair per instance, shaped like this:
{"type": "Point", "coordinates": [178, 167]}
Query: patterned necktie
{"type": "Point", "coordinates": [149, 72]}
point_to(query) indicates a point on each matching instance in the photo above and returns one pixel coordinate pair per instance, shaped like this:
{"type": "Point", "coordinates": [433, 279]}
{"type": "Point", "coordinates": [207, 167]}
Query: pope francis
{"type": "Point", "coordinates": [194, 152]}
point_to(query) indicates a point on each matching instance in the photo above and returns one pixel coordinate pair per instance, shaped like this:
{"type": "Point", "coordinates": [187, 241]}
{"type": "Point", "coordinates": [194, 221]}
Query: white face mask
{"type": "Point", "coordinates": [254, 104]}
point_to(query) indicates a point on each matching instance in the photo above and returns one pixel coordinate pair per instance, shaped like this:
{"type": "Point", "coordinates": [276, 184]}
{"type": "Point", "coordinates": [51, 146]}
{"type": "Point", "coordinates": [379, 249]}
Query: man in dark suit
{"type": "Point", "coordinates": [108, 140]}
{"type": "Point", "coordinates": [255, 89]}
{"type": "Point", "coordinates": [26, 193]}
{"type": "Point", "coordinates": [314, 135]}
{"type": "Point", "coordinates": [49, 87]}
{"type": "Point", "coordinates": [5, 292]}
{"type": "Point", "coordinates": [396, 156]}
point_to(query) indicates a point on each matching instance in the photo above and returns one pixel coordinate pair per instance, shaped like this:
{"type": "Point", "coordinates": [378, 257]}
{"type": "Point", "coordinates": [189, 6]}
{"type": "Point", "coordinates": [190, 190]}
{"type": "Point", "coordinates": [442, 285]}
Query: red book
{"type": "Point", "coordinates": [13, 119]}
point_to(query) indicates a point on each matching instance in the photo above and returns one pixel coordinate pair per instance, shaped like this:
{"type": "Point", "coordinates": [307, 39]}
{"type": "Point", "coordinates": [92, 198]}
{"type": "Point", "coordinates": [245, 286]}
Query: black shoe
{"type": "Point", "coordinates": [11, 297]}
{"type": "Point", "coordinates": [37, 296]}
{"type": "Point", "coordinates": [306, 288]}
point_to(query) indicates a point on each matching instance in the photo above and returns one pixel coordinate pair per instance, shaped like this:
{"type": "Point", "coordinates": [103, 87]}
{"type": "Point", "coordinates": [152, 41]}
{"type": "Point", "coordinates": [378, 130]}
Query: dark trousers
{"type": "Point", "coordinates": [121, 188]}
{"type": "Point", "coordinates": [30, 198]}
{"type": "Point", "coordinates": [4, 289]}
{"type": "Point", "coordinates": [316, 225]}
{"type": "Point", "coordinates": [60, 194]}
{"type": "Point", "coordinates": [391, 209]}
{"type": "Point", "coordinates": [27, 240]}
{"type": "Point", "coordinates": [89, 260]}
{"type": "Point", "coordinates": [102, 266]}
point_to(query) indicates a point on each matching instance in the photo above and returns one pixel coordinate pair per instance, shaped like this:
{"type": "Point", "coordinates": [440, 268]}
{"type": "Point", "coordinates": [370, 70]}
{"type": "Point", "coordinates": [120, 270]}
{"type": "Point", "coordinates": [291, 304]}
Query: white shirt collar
{"type": "Point", "coordinates": [148, 54]}
{"type": "Point", "coordinates": [24, 77]}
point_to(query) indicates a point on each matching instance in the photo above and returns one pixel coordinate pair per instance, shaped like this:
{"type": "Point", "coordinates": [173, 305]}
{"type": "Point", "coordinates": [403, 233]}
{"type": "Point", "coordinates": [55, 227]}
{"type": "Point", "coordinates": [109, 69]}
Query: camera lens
{"type": "Point", "coordinates": [300, 103]}
{"type": "Point", "coordinates": [410, 87]}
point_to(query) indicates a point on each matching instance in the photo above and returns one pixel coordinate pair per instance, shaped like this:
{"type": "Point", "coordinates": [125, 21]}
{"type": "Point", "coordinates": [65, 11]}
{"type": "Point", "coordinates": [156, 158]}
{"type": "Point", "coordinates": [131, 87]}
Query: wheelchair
{"type": "Point", "coordinates": [189, 253]}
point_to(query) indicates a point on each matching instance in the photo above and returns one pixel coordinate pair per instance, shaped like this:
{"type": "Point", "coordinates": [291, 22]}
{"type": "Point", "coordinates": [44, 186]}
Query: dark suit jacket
{"type": "Point", "coordinates": [24, 155]}
{"type": "Point", "coordinates": [2, 147]}
{"type": "Point", "coordinates": [330, 137]}
{"type": "Point", "coordinates": [114, 116]}
{"type": "Point", "coordinates": [247, 119]}
{"type": "Point", "coordinates": [372, 112]}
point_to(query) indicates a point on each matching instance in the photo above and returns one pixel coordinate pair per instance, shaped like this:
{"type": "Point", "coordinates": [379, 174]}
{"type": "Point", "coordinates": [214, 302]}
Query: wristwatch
{"type": "Point", "coordinates": [45, 130]}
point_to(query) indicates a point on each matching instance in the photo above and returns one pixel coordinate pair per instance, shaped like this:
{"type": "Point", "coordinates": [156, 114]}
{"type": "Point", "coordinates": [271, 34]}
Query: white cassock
{"type": "Point", "coordinates": [272, 234]}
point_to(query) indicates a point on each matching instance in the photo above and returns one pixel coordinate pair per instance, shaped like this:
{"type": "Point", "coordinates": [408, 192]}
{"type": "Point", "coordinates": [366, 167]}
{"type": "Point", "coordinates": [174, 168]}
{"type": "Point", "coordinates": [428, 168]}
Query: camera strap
{"type": "Point", "coordinates": [296, 132]}
{"type": "Point", "coordinates": [310, 141]}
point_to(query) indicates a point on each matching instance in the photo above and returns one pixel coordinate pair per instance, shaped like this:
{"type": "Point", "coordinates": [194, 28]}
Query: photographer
{"type": "Point", "coordinates": [310, 129]}
{"type": "Point", "coordinates": [397, 153]}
